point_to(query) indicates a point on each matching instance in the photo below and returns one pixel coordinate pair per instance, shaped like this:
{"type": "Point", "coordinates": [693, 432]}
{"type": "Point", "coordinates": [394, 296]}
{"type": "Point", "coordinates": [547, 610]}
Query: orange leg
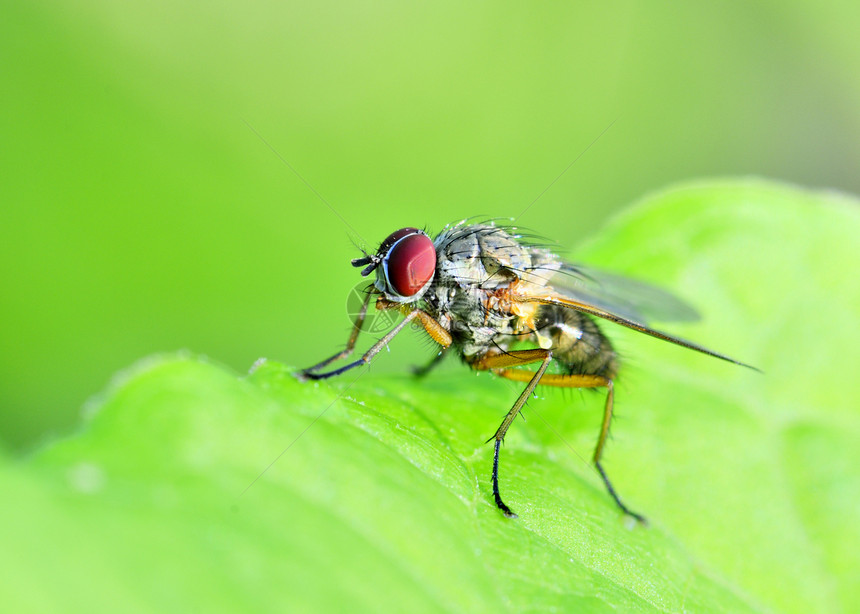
{"type": "Point", "coordinates": [500, 364]}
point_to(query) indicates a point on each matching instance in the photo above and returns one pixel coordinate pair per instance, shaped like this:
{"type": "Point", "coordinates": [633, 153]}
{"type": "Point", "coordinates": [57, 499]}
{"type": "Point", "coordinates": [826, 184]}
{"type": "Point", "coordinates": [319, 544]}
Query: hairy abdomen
{"type": "Point", "coordinates": [576, 341]}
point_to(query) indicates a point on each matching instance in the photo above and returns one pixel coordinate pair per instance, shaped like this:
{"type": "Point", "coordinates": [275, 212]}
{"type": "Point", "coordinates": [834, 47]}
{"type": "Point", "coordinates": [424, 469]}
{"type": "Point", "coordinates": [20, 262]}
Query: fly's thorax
{"type": "Point", "coordinates": [477, 264]}
{"type": "Point", "coordinates": [481, 254]}
{"type": "Point", "coordinates": [576, 341]}
{"type": "Point", "coordinates": [463, 312]}
{"type": "Point", "coordinates": [477, 267]}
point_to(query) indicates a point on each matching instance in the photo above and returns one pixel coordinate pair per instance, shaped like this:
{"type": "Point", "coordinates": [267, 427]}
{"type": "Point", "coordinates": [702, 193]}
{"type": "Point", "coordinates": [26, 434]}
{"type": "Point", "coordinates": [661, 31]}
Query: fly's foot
{"type": "Point", "coordinates": [422, 370]}
{"type": "Point", "coordinates": [627, 511]}
{"type": "Point", "coordinates": [508, 512]}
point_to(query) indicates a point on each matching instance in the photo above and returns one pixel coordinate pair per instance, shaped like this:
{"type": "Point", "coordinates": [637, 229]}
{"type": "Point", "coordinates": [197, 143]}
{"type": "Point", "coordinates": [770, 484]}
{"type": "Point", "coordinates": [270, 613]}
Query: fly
{"type": "Point", "coordinates": [483, 291]}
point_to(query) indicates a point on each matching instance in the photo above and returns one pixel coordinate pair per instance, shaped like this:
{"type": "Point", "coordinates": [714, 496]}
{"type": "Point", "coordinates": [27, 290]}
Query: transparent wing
{"type": "Point", "coordinates": [618, 299]}
{"type": "Point", "coordinates": [626, 297]}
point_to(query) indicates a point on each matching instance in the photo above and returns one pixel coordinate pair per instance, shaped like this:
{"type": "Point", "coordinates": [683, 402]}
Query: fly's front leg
{"type": "Point", "coordinates": [433, 328]}
{"type": "Point", "coordinates": [350, 344]}
{"type": "Point", "coordinates": [369, 354]}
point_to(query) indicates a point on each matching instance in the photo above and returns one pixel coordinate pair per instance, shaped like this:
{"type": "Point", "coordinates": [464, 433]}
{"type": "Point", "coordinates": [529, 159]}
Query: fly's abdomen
{"type": "Point", "coordinates": [575, 341]}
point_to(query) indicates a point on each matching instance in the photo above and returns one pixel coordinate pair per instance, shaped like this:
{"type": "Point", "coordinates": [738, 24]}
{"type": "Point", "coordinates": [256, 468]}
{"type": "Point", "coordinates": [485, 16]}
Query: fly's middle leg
{"type": "Point", "coordinates": [421, 371]}
{"type": "Point", "coordinates": [497, 361]}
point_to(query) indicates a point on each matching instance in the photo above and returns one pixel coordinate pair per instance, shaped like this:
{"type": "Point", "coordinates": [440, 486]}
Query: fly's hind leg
{"type": "Point", "coordinates": [584, 381]}
{"type": "Point", "coordinates": [598, 452]}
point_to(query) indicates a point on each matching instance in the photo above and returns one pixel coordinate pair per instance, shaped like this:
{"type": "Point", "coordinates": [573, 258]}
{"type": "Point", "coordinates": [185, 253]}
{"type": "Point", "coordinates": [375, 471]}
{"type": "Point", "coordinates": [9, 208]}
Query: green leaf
{"type": "Point", "coordinates": [190, 486]}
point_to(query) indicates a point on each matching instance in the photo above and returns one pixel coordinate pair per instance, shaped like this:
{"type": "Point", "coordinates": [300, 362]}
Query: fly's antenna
{"type": "Point", "coordinates": [369, 262]}
{"type": "Point", "coordinates": [359, 245]}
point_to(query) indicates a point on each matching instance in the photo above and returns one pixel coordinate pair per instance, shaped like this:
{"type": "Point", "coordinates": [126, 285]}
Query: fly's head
{"type": "Point", "coordinates": [405, 265]}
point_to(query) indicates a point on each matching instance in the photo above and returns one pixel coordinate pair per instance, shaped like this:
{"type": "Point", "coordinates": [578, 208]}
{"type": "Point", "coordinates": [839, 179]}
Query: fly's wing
{"type": "Point", "coordinates": [630, 298]}
{"type": "Point", "coordinates": [624, 301]}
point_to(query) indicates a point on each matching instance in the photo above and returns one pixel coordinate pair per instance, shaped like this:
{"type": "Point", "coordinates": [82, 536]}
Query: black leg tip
{"type": "Point", "coordinates": [508, 512]}
{"type": "Point", "coordinates": [639, 518]}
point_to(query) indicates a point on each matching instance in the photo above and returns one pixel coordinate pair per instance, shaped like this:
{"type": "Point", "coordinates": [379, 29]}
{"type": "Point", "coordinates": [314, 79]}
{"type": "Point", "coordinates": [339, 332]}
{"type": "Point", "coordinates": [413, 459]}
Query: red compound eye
{"type": "Point", "coordinates": [410, 263]}
{"type": "Point", "coordinates": [394, 237]}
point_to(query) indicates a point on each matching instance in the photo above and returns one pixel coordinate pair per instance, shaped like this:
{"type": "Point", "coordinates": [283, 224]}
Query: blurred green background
{"type": "Point", "coordinates": [148, 203]}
